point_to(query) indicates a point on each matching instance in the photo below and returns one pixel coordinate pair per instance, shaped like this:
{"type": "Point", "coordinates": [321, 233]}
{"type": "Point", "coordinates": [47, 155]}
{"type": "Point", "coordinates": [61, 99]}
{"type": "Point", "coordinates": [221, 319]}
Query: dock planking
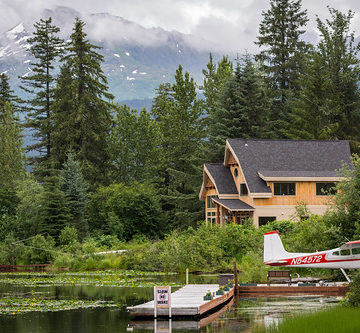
{"type": "Point", "coordinates": [186, 301]}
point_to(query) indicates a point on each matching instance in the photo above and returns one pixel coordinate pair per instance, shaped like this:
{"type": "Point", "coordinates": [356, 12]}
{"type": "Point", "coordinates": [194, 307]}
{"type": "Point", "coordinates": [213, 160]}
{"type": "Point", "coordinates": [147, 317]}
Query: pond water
{"type": "Point", "coordinates": [241, 315]}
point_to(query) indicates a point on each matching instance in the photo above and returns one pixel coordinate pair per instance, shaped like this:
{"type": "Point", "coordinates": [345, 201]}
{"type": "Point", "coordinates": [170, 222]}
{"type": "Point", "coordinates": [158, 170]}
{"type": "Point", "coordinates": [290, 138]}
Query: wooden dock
{"type": "Point", "coordinates": [281, 290]}
{"type": "Point", "coordinates": [186, 302]}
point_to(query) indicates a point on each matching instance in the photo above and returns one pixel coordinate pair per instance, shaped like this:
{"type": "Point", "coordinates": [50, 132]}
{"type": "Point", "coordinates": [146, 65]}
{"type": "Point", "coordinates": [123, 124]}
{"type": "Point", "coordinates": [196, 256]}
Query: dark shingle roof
{"type": "Point", "coordinates": [291, 157]}
{"type": "Point", "coordinates": [223, 179]}
{"type": "Point", "coordinates": [286, 173]}
{"type": "Point", "coordinates": [233, 204]}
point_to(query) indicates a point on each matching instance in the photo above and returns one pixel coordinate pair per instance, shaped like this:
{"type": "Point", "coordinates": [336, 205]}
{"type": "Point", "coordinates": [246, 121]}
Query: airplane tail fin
{"type": "Point", "coordinates": [273, 247]}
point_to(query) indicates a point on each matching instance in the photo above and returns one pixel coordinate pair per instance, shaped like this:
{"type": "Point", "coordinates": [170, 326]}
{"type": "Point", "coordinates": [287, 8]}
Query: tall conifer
{"type": "Point", "coordinates": [46, 47]}
{"type": "Point", "coordinates": [82, 108]}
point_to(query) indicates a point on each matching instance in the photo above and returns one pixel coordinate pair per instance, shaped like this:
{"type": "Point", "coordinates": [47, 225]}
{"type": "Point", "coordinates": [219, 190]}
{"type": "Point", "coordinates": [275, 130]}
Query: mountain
{"type": "Point", "coordinates": [136, 59]}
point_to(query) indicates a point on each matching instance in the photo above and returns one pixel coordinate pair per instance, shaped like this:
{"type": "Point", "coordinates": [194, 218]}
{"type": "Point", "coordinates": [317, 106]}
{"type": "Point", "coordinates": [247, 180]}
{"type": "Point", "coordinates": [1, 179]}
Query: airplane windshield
{"type": "Point", "coordinates": [336, 253]}
{"type": "Point", "coordinates": [345, 252]}
{"type": "Point", "coordinates": [356, 250]}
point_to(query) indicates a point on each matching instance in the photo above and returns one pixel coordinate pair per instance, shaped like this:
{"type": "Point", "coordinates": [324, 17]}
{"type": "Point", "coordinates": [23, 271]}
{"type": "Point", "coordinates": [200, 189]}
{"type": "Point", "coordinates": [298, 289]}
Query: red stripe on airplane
{"type": "Point", "coordinates": [306, 260]}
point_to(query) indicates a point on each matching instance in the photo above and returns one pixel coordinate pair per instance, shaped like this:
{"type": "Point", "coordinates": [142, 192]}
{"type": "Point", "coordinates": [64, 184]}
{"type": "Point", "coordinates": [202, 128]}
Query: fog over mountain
{"type": "Point", "coordinates": [136, 59]}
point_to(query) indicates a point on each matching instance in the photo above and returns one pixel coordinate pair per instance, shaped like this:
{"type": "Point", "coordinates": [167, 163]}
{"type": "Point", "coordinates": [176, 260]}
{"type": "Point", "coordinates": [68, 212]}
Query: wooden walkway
{"type": "Point", "coordinates": [276, 290]}
{"type": "Point", "coordinates": [187, 301]}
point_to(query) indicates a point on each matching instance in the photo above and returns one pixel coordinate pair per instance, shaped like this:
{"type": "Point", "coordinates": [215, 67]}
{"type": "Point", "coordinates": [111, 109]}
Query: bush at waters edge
{"type": "Point", "coordinates": [336, 319]}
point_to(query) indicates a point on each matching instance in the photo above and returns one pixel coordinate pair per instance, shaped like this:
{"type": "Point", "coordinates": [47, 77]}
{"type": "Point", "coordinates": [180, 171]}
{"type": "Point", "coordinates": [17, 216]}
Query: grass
{"type": "Point", "coordinates": [333, 320]}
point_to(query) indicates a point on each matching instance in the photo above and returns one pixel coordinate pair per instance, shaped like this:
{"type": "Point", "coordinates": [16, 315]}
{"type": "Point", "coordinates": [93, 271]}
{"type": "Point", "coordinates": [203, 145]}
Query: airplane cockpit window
{"type": "Point", "coordinates": [336, 253]}
{"type": "Point", "coordinates": [355, 250]}
{"type": "Point", "coordinates": [345, 252]}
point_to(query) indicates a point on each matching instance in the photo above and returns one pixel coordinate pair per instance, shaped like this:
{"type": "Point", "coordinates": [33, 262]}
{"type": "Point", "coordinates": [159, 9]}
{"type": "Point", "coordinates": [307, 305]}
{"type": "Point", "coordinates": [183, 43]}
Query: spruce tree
{"type": "Point", "coordinates": [282, 53]}
{"type": "Point", "coordinates": [179, 115]}
{"type": "Point", "coordinates": [46, 48]}
{"type": "Point", "coordinates": [242, 109]}
{"type": "Point", "coordinates": [54, 210]}
{"type": "Point", "coordinates": [329, 103]}
{"type": "Point", "coordinates": [82, 108]}
{"type": "Point", "coordinates": [6, 94]}
{"type": "Point", "coordinates": [73, 184]}
{"type": "Point", "coordinates": [215, 77]}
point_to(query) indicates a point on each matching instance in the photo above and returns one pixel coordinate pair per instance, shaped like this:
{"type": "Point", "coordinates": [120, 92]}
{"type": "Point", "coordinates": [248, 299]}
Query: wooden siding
{"type": "Point", "coordinates": [305, 192]}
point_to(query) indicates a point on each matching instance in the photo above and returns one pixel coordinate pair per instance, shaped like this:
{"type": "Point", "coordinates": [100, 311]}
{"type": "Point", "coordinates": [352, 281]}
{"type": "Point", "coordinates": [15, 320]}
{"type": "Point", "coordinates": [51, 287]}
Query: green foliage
{"type": "Point", "coordinates": [242, 108]}
{"type": "Point", "coordinates": [328, 104]}
{"type": "Point", "coordinates": [252, 268]}
{"type": "Point", "coordinates": [40, 250]}
{"type": "Point", "coordinates": [12, 166]}
{"type": "Point", "coordinates": [283, 50]}
{"type": "Point", "coordinates": [46, 47]}
{"type": "Point", "coordinates": [134, 146]}
{"type": "Point", "coordinates": [54, 206]}
{"type": "Point", "coordinates": [346, 213]}
{"type": "Point", "coordinates": [6, 94]}
{"type": "Point", "coordinates": [68, 240]}
{"type": "Point", "coordinates": [29, 219]}
{"type": "Point", "coordinates": [178, 113]}
{"type": "Point", "coordinates": [353, 296]}
{"type": "Point", "coordinates": [74, 186]}
{"type": "Point", "coordinates": [81, 108]}
{"type": "Point", "coordinates": [336, 319]}
{"type": "Point", "coordinates": [125, 211]}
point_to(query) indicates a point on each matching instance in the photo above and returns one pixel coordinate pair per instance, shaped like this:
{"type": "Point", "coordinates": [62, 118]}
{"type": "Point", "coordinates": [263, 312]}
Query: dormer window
{"type": "Point", "coordinates": [243, 190]}
{"type": "Point", "coordinates": [236, 172]}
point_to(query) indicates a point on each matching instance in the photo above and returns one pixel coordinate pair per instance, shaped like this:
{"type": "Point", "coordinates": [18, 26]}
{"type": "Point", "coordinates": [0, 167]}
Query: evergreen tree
{"type": "Point", "coordinates": [73, 184]}
{"type": "Point", "coordinates": [12, 166]}
{"type": "Point", "coordinates": [82, 108]}
{"type": "Point", "coordinates": [328, 105]}
{"type": "Point", "coordinates": [242, 109]}
{"type": "Point", "coordinates": [282, 53]}
{"type": "Point", "coordinates": [46, 48]}
{"type": "Point", "coordinates": [54, 209]}
{"type": "Point", "coordinates": [178, 113]}
{"type": "Point", "coordinates": [215, 77]}
{"type": "Point", "coordinates": [6, 94]}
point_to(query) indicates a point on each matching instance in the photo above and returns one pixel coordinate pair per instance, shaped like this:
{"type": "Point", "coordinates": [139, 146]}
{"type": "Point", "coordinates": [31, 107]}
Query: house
{"type": "Point", "coordinates": [267, 179]}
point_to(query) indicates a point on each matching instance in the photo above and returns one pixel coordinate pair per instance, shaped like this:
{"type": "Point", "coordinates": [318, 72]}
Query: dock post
{"type": "Point", "coordinates": [187, 275]}
{"type": "Point", "coordinates": [236, 282]}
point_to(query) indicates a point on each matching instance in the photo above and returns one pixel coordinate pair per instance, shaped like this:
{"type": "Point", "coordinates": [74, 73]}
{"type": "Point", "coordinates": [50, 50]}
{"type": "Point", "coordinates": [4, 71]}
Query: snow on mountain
{"type": "Point", "coordinates": [148, 56]}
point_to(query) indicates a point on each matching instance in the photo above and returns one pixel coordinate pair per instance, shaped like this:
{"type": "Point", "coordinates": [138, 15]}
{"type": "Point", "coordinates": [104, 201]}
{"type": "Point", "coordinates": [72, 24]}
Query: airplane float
{"type": "Point", "coordinates": [344, 257]}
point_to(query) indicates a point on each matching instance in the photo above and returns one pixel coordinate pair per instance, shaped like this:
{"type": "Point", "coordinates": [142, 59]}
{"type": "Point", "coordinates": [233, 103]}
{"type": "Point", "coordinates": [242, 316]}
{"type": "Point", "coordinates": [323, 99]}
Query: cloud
{"type": "Point", "coordinates": [229, 25]}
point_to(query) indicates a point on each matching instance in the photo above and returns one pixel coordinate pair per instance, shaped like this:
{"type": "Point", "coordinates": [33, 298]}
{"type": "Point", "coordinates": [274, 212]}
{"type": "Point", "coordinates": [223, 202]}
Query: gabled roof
{"type": "Point", "coordinates": [287, 158]}
{"type": "Point", "coordinates": [221, 175]}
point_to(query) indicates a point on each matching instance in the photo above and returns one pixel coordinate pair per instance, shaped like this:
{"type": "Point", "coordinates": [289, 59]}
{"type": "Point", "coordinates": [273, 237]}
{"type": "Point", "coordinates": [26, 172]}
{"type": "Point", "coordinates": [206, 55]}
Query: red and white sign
{"type": "Point", "coordinates": [162, 299]}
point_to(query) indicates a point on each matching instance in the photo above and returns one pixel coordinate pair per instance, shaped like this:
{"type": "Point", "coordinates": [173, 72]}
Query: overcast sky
{"type": "Point", "coordinates": [230, 24]}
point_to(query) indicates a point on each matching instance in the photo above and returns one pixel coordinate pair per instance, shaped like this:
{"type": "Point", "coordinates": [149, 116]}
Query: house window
{"type": "Point", "coordinates": [266, 219]}
{"type": "Point", "coordinates": [325, 188]}
{"type": "Point", "coordinates": [236, 172]}
{"type": "Point", "coordinates": [210, 203]}
{"type": "Point", "coordinates": [284, 188]}
{"type": "Point", "coordinates": [243, 190]}
{"type": "Point", "coordinates": [211, 217]}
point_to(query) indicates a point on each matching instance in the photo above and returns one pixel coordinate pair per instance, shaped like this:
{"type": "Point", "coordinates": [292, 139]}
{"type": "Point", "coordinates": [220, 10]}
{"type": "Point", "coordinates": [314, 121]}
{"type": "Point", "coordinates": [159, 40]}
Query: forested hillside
{"type": "Point", "coordinates": [101, 171]}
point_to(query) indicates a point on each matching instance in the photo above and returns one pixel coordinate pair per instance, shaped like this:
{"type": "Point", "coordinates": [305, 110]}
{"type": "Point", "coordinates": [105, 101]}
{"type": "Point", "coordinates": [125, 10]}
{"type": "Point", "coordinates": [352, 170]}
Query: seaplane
{"type": "Point", "coordinates": [347, 256]}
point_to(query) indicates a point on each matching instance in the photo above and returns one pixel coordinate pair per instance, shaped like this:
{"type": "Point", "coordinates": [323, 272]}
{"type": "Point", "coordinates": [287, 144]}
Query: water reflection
{"type": "Point", "coordinates": [241, 315]}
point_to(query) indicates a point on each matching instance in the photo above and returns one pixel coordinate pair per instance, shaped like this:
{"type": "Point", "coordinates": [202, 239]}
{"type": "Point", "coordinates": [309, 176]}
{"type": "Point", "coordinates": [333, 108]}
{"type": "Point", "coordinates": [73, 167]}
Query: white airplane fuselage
{"type": "Point", "coordinates": [345, 257]}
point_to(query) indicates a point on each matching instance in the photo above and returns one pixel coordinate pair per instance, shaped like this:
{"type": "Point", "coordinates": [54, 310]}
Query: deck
{"type": "Point", "coordinates": [185, 302]}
